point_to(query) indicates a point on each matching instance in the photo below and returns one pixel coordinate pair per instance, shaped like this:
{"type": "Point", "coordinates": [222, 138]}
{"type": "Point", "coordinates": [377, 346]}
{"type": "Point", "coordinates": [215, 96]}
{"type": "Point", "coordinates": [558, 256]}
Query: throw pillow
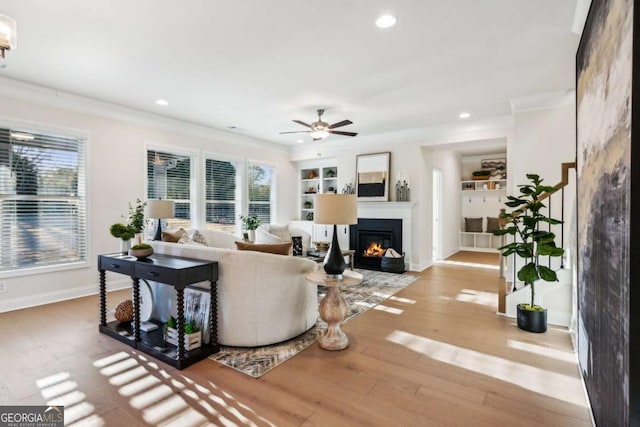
{"type": "Point", "coordinates": [278, 249]}
{"type": "Point", "coordinates": [281, 231]}
{"type": "Point", "coordinates": [492, 224]}
{"type": "Point", "coordinates": [473, 225]}
{"type": "Point", "coordinates": [199, 238]}
{"type": "Point", "coordinates": [186, 239]}
{"type": "Point", "coordinates": [173, 236]}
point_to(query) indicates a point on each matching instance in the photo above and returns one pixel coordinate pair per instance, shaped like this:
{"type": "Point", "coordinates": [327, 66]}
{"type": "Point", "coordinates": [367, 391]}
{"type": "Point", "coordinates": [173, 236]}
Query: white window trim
{"type": "Point", "coordinates": [66, 132]}
{"type": "Point", "coordinates": [243, 186]}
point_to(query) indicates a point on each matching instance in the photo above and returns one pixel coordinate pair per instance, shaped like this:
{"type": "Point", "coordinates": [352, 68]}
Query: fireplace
{"type": "Point", "coordinates": [370, 239]}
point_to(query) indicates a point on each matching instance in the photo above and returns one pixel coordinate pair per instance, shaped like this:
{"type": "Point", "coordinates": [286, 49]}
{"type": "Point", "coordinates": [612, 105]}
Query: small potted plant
{"type": "Point", "coordinates": [250, 223]}
{"type": "Point", "coordinates": [192, 334]}
{"type": "Point", "coordinates": [141, 250]}
{"type": "Point", "coordinates": [524, 222]}
{"type": "Point", "coordinates": [134, 227]}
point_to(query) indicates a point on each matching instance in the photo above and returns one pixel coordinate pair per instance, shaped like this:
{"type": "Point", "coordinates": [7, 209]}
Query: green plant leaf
{"type": "Point", "coordinates": [515, 203]}
{"type": "Point", "coordinates": [500, 232]}
{"type": "Point", "coordinates": [551, 221]}
{"type": "Point", "coordinates": [547, 189]}
{"type": "Point", "coordinates": [549, 249]}
{"type": "Point", "coordinates": [547, 274]}
{"type": "Point", "coordinates": [527, 189]}
{"type": "Point", "coordinates": [529, 222]}
{"type": "Point", "coordinates": [528, 273]}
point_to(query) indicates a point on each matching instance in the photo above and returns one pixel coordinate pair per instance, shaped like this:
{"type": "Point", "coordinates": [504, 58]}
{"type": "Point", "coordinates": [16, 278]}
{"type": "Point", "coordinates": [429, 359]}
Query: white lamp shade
{"type": "Point", "coordinates": [160, 209]}
{"type": "Point", "coordinates": [336, 209]}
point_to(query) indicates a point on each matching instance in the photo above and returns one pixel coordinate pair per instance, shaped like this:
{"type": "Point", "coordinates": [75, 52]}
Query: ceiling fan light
{"type": "Point", "coordinates": [319, 134]}
{"type": "Point", "coordinates": [8, 34]}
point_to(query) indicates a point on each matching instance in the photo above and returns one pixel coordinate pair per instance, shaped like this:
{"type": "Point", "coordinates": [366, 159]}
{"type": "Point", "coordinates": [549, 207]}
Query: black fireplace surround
{"type": "Point", "coordinates": [386, 232]}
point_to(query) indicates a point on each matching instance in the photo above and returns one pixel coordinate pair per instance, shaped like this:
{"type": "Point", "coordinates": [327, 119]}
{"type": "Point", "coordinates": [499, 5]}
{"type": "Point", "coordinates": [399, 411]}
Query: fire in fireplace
{"type": "Point", "coordinates": [375, 249]}
{"type": "Point", "coordinates": [371, 238]}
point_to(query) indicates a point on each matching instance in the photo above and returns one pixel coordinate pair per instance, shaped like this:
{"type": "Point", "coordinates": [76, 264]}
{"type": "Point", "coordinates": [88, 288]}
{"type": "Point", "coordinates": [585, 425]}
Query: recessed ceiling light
{"type": "Point", "coordinates": [386, 21]}
{"type": "Point", "coordinates": [464, 115]}
{"type": "Point", "coordinates": [300, 141]}
{"type": "Point", "coordinates": [162, 102]}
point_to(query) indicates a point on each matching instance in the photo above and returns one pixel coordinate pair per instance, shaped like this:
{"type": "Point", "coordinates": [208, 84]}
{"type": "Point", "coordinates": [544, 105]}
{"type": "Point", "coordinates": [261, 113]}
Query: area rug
{"type": "Point", "coordinates": [376, 287]}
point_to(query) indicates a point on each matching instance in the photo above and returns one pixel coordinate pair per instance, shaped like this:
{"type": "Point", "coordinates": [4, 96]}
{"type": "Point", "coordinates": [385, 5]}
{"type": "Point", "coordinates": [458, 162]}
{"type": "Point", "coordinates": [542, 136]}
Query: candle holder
{"type": "Point", "coordinates": [403, 192]}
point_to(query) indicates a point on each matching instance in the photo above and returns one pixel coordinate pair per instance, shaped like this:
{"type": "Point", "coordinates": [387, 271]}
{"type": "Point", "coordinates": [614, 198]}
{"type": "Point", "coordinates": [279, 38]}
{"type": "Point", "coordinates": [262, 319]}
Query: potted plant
{"type": "Point", "coordinates": [531, 243]}
{"type": "Point", "coordinates": [250, 223]}
{"type": "Point", "coordinates": [134, 227]}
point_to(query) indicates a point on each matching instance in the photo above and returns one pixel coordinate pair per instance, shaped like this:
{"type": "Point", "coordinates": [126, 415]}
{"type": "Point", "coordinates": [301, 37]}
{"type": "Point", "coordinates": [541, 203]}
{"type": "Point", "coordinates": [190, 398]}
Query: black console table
{"type": "Point", "coordinates": [170, 270]}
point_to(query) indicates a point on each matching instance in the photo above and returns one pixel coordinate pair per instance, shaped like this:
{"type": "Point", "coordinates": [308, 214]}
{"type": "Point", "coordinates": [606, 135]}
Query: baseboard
{"type": "Point", "coordinates": [420, 267]}
{"type": "Point", "coordinates": [57, 296]}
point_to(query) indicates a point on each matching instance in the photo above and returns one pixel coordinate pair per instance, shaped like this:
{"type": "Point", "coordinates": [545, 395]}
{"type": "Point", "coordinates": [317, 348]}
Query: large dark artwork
{"type": "Point", "coordinates": [604, 67]}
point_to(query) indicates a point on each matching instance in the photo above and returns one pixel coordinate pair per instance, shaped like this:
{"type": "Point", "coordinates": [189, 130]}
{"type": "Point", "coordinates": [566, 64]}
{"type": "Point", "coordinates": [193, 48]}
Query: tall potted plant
{"type": "Point", "coordinates": [531, 243]}
{"type": "Point", "coordinates": [134, 227]}
{"type": "Point", "coordinates": [250, 223]}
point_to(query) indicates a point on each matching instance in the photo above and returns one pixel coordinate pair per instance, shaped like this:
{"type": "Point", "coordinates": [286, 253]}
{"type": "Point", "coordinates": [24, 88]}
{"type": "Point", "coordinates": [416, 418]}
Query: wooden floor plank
{"type": "Point", "coordinates": [435, 354]}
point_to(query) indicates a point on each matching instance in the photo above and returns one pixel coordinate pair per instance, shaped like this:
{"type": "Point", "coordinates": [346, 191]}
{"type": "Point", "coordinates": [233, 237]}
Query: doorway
{"type": "Point", "coordinates": [437, 215]}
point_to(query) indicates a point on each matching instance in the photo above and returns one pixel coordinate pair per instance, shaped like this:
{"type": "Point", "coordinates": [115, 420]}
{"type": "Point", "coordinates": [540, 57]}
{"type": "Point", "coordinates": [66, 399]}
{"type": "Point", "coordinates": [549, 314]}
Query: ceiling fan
{"type": "Point", "coordinates": [320, 130]}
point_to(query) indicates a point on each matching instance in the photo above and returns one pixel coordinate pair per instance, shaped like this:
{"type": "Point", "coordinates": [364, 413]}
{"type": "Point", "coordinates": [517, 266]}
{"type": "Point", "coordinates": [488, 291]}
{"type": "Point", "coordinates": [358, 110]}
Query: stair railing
{"type": "Point", "coordinates": [504, 218]}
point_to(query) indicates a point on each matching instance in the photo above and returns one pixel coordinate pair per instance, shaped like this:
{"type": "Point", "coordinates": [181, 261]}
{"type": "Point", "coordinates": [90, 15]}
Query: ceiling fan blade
{"type": "Point", "coordinates": [340, 124]}
{"type": "Point", "coordinates": [301, 123]}
{"type": "Point", "coordinates": [297, 131]}
{"type": "Point", "coordinates": [338, 132]}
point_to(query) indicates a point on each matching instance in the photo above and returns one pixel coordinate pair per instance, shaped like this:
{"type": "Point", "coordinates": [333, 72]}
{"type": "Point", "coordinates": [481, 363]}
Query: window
{"type": "Point", "coordinates": [169, 178]}
{"type": "Point", "coordinates": [260, 185]}
{"type": "Point", "coordinates": [222, 208]}
{"type": "Point", "coordinates": [42, 200]}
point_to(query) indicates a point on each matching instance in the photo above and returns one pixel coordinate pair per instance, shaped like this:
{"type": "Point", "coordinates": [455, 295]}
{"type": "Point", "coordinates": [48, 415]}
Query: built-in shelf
{"type": "Point", "coordinates": [481, 242]}
{"type": "Point", "coordinates": [484, 185]}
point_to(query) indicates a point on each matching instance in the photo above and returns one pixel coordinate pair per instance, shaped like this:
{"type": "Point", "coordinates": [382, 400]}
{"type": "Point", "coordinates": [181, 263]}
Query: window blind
{"type": "Point", "coordinates": [260, 188]}
{"type": "Point", "coordinates": [42, 200]}
{"type": "Point", "coordinates": [169, 178]}
{"type": "Point", "coordinates": [222, 194]}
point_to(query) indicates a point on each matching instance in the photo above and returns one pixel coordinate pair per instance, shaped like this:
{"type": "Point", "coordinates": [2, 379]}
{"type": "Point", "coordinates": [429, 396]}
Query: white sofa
{"type": "Point", "coordinates": [262, 298]}
{"type": "Point", "coordinates": [264, 235]}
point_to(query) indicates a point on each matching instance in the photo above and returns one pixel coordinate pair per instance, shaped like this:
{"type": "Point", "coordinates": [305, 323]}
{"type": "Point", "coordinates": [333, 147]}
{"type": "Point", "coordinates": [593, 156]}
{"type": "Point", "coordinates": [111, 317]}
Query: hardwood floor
{"type": "Point", "coordinates": [437, 356]}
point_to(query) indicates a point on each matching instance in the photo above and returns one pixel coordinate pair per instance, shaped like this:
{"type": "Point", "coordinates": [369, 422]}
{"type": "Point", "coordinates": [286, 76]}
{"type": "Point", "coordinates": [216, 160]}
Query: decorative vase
{"type": "Point", "coordinates": [252, 235]}
{"type": "Point", "coordinates": [125, 245]}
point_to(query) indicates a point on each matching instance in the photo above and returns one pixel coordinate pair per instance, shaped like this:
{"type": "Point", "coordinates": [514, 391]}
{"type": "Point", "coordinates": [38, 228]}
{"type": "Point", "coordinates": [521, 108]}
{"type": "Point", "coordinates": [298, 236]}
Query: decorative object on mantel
{"type": "Point", "coordinates": [348, 189]}
{"type": "Point", "coordinates": [372, 175]}
{"type": "Point", "coordinates": [403, 192]}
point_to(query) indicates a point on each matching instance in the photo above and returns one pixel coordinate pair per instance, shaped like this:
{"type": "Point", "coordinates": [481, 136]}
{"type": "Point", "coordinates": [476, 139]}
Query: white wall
{"type": "Point", "coordinates": [117, 173]}
{"type": "Point", "coordinates": [449, 162]}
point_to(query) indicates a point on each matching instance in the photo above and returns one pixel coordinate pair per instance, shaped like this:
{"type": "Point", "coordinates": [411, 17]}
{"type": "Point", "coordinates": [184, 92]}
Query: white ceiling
{"type": "Point", "coordinates": [258, 64]}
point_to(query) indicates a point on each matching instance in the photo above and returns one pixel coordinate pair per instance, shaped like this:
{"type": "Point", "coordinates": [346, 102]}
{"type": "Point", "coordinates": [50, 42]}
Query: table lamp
{"type": "Point", "coordinates": [159, 210]}
{"type": "Point", "coordinates": [335, 209]}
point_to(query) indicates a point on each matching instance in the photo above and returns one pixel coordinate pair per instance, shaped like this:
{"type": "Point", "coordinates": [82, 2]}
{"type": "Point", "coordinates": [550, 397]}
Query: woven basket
{"type": "Point", "coordinates": [392, 265]}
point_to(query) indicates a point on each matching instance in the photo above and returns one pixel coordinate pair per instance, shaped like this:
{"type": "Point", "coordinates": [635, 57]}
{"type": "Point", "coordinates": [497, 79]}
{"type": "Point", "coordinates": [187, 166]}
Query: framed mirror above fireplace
{"type": "Point", "coordinates": [372, 175]}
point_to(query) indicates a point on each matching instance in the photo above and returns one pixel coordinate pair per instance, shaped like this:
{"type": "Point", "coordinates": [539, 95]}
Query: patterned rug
{"type": "Point", "coordinates": [376, 287]}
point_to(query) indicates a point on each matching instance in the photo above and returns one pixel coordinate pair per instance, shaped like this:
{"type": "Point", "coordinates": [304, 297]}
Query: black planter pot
{"type": "Point", "coordinates": [532, 321]}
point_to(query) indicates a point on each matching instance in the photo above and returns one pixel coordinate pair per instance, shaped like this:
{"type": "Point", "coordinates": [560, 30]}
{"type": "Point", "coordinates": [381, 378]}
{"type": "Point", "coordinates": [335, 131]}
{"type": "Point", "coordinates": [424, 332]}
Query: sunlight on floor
{"type": "Point", "coordinates": [468, 264]}
{"type": "Point", "coordinates": [564, 356]}
{"type": "Point", "coordinates": [478, 297]}
{"type": "Point", "coordinates": [402, 300]}
{"type": "Point", "coordinates": [391, 310]}
{"type": "Point", "coordinates": [548, 383]}
{"type": "Point", "coordinates": [61, 390]}
{"type": "Point", "coordinates": [164, 399]}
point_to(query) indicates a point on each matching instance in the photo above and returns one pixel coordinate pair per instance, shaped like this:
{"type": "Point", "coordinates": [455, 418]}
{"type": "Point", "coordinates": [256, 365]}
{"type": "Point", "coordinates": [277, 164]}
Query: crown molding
{"type": "Point", "coordinates": [67, 101]}
{"type": "Point", "coordinates": [543, 101]}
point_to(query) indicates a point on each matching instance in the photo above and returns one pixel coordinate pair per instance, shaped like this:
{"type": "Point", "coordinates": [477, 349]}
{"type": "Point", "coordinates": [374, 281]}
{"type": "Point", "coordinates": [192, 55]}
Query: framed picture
{"type": "Point", "coordinates": [245, 236]}
{"type": "Point", "coordinates": [372, 175]}
{"type": "Point", "coordinates": [498, 167]}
